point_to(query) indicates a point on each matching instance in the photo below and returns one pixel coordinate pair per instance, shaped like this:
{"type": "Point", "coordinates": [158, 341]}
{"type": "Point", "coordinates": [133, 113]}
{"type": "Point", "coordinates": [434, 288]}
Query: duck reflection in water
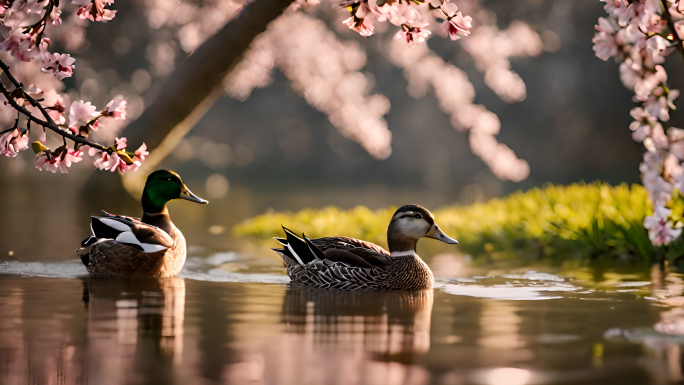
{"type": "Point", "coordinates": [370, 336]}
{"type": "Point", "coordinates": [133, 326]}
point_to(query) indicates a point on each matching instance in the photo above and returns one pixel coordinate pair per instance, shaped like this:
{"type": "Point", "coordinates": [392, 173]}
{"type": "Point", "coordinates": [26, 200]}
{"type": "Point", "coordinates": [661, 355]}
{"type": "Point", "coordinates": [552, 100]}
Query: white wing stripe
{"type": "Point", "coordinates": [116, 225]}
{"type": "Point", "coordinates": [129, 237]}
{"type": "Point", "coordinates": [295, 254]}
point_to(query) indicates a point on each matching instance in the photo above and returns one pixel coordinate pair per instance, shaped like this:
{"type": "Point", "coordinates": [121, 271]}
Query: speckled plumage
{"type": "Point", "coordinates": [404, 273]}
{"type": "Point", "coordinates": [151, 247]}
{"type": "Point", "coordinates": [344, 263]}
{"type": "Point", "coordinates": [108, 258]}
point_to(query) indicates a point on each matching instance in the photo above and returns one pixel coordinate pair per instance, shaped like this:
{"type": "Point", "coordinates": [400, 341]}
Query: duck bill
{"type": "Point", "coordinates": [189, 196]}
{"type": "Point", "coordinates": [436, 233]}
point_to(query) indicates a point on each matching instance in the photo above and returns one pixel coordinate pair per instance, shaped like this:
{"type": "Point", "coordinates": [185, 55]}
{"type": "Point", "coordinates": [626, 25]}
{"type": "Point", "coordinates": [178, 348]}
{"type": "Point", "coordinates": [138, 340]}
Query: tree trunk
{"type": "Point", "coordinates": [193, 87]}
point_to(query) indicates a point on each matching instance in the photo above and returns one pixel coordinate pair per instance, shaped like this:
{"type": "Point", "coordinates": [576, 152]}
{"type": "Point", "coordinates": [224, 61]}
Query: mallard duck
{"type": "Point", "coordinates": [345, 263]}
{"type": "Point", "coordinates": [129, 247]}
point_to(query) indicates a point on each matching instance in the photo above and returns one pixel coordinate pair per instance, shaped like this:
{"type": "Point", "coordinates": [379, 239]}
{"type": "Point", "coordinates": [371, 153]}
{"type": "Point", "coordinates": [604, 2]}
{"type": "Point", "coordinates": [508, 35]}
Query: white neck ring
{"type": "Point", "coordinates": [403, 253]}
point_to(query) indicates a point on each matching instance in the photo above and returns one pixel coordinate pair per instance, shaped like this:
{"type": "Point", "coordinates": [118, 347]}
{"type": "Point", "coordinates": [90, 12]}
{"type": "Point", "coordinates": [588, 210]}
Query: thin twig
{"type": "Point", "coordinates": [48, 123]}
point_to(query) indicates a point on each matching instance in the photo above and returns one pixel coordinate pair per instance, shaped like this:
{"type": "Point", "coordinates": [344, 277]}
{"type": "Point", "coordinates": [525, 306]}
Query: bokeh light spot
{"type": "Point", "coordinates": [508, 376]}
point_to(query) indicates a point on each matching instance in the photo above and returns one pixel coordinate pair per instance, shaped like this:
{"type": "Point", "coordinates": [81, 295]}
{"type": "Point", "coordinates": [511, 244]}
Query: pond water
{"type": "Point", "coordinates": [233, 318]}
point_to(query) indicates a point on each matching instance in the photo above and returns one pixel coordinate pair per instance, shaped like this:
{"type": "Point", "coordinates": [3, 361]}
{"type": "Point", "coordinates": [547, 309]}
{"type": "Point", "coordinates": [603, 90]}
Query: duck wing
{"type": "Point", "coordinates": [130, 231]}
{"type": "Point", "coordinates": [350, 251]}
{"type": "Point", "coordinates": [348, 243]}
{"type": "Point", "coordinates": [354, 252]}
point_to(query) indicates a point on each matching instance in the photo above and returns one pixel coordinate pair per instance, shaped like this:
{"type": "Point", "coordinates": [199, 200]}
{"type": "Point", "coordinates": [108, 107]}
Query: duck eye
{"type": "Point", "coordinates": [418, 216]}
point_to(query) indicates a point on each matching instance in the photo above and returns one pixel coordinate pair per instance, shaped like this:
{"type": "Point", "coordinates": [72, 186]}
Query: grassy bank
{"type": "Point", "coordinates": [589, 220]}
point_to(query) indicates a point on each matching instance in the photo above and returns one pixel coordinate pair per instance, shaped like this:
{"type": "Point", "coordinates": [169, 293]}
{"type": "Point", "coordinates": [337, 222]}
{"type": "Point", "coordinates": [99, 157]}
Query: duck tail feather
{"type": "Point", "coordinates": [299, 249]}
{"type": "Point", "coordinates": [317, 253]}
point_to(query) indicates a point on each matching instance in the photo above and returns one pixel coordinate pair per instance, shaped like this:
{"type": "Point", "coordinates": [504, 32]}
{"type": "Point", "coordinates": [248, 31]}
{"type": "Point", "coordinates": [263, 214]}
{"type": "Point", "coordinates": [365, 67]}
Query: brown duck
{"type": "Point", "coordinates": [126, 247]}
{"type": "Point", "coordinates": [344, 263]}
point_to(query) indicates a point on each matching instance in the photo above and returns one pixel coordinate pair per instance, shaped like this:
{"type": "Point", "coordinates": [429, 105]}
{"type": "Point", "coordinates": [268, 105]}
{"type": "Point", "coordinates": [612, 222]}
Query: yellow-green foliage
{"type": "Point", "coordinates": [595, 219]}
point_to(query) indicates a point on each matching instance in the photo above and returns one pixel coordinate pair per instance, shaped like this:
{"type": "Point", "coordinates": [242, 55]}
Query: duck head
{"type": "Point", "coordinates": [163, 186]}
{"type": "Point", "coordinates": [410, 223]}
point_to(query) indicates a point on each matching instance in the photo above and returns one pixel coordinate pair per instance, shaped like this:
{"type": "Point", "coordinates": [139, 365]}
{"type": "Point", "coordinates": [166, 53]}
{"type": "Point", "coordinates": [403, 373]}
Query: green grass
{"type": "Point", "coordinates": [587, 220]}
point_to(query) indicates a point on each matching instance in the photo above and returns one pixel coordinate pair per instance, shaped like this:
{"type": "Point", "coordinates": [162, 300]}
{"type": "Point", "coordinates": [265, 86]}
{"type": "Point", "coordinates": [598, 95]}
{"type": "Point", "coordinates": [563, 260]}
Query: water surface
{"type": "Point", "coordinates": [233, 318]}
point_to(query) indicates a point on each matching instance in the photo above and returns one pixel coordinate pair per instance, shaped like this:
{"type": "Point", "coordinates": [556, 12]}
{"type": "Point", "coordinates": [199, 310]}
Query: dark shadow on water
{"type": "Point", "coordinates": [130, 331]}
{"type": "Point", "coordinates": [386, 326]}
{"type": "Point", "coordinates": [144, 317]}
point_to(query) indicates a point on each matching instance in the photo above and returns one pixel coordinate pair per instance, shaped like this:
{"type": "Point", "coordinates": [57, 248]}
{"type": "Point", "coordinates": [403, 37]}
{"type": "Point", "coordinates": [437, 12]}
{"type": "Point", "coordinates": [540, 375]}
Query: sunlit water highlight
{"type": "Point", "coordinates": [231, 318]}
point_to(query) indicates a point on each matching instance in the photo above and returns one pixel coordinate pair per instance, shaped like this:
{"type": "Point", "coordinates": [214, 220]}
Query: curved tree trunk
{"type": "Point", "coordinates": [194, 87]}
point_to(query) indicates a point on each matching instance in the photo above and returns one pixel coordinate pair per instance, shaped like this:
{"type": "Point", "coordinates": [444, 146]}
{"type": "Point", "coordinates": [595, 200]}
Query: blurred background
{"type": "Point", "coordinates": [232, 317]}
{"type": "Point", "coordinates": [273, 151]}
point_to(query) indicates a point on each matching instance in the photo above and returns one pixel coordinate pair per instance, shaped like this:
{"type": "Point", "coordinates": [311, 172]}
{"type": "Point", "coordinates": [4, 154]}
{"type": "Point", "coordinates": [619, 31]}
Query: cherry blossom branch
{"type": "Point", "coordinates": [639, 35]}
{"type": "Point", "coordinates": [49, 123]}
{"type": "Point", "coordinates": [83, 118]}
{"type": "Point", "coordinates": [26, 43]}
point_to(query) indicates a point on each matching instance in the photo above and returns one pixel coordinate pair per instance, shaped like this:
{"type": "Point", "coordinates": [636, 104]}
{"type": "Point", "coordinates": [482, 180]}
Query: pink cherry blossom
{"type": "Point", "coordinates": [62, 65]}
{"type": "Point", "coordinates": [13, 42]}
{"type": "Point", "coordinates": [641, 127]}
{"type": "Point", "coordinates": [113, 161]}
{"type": "Point", "coordinates": [56, 112]}
{"type": "Point", "coordinates": [412, 34]}
{"type": "Point", "coordinates": [660, 230]}
{"type": "Point", "coordinates": [650, 21]}
{"type": "Point", "coordinates": [676, 137]}
{"type": "Point", "coordinates": [121, 143]}
{"type": "Point", "coordinates": [605, 45]}
{"type": "Point", "coordinates": [69, 157]}
{"type": "Point", "coordinates": [655, 46]}
{"type": "Point", "coordinates": [61, 159]}
{"type": "Point", "coordinates": [673, 168]}
{"type": "Point", "coordinates": [41, 160]}
{"type": "Point", "coordinates": [646, 85]}
{"type": "Point", "coordinates": [106, 161]}
{"type": "Point", "coordinates": [631, 36]}
{"type": "Point", "coordinates": [620, 9]}
{"type": "Point", "coordinates": [141, 152]}
{"type": "Point", "coordinates": [94, 10]}
{"type": "Point", "coordinates": [56, 17]}
{"type": "Point", "coordinates": [659, 107]}
{"type": "Point", "coordinates": [456, 25]}
{"type": "Point", "coordinates": [117, 108]}
{"type": "Point", "coordinates": [13, 141]}
{"type": "Point", "coordinates": [363, 26]}
{"type": "Point", "coordinates": [396, 13]}
{"type": "Point", "coordinates": [80, 113]}
{"type": "Point", "coordinates": [630, 73]}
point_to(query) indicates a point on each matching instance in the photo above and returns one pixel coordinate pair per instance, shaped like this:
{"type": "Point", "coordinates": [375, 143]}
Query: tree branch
{"type": "Point", "coordinates": [202, 71]}
{"type": "Point", "coordinates": [194, 87]}
{"type": "Point", "coordinates": [48, 123]}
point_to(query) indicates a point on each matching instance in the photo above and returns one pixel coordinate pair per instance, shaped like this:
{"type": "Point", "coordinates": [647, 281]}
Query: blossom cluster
{"type": "Point", "coordinates": [407, 15]}
{"type": "Point", "coordinates": [324, 71]}
{"type": "Point", "coordinates": [639, 35]}
{"type": "Point", "coordinates": [335, 65]}
{"type": "Point", "coordinates": [23, 25]}
{"type": "Point", "coordinates": [423, 70]}
{"type": "Point", "coordinates": [80, 119]}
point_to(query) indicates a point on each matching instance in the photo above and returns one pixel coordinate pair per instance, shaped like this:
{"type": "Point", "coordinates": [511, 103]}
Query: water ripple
{"type": "Point", "coordinates": [520, 287]}
{"type": "Point", "coordinates": [72, 268]}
